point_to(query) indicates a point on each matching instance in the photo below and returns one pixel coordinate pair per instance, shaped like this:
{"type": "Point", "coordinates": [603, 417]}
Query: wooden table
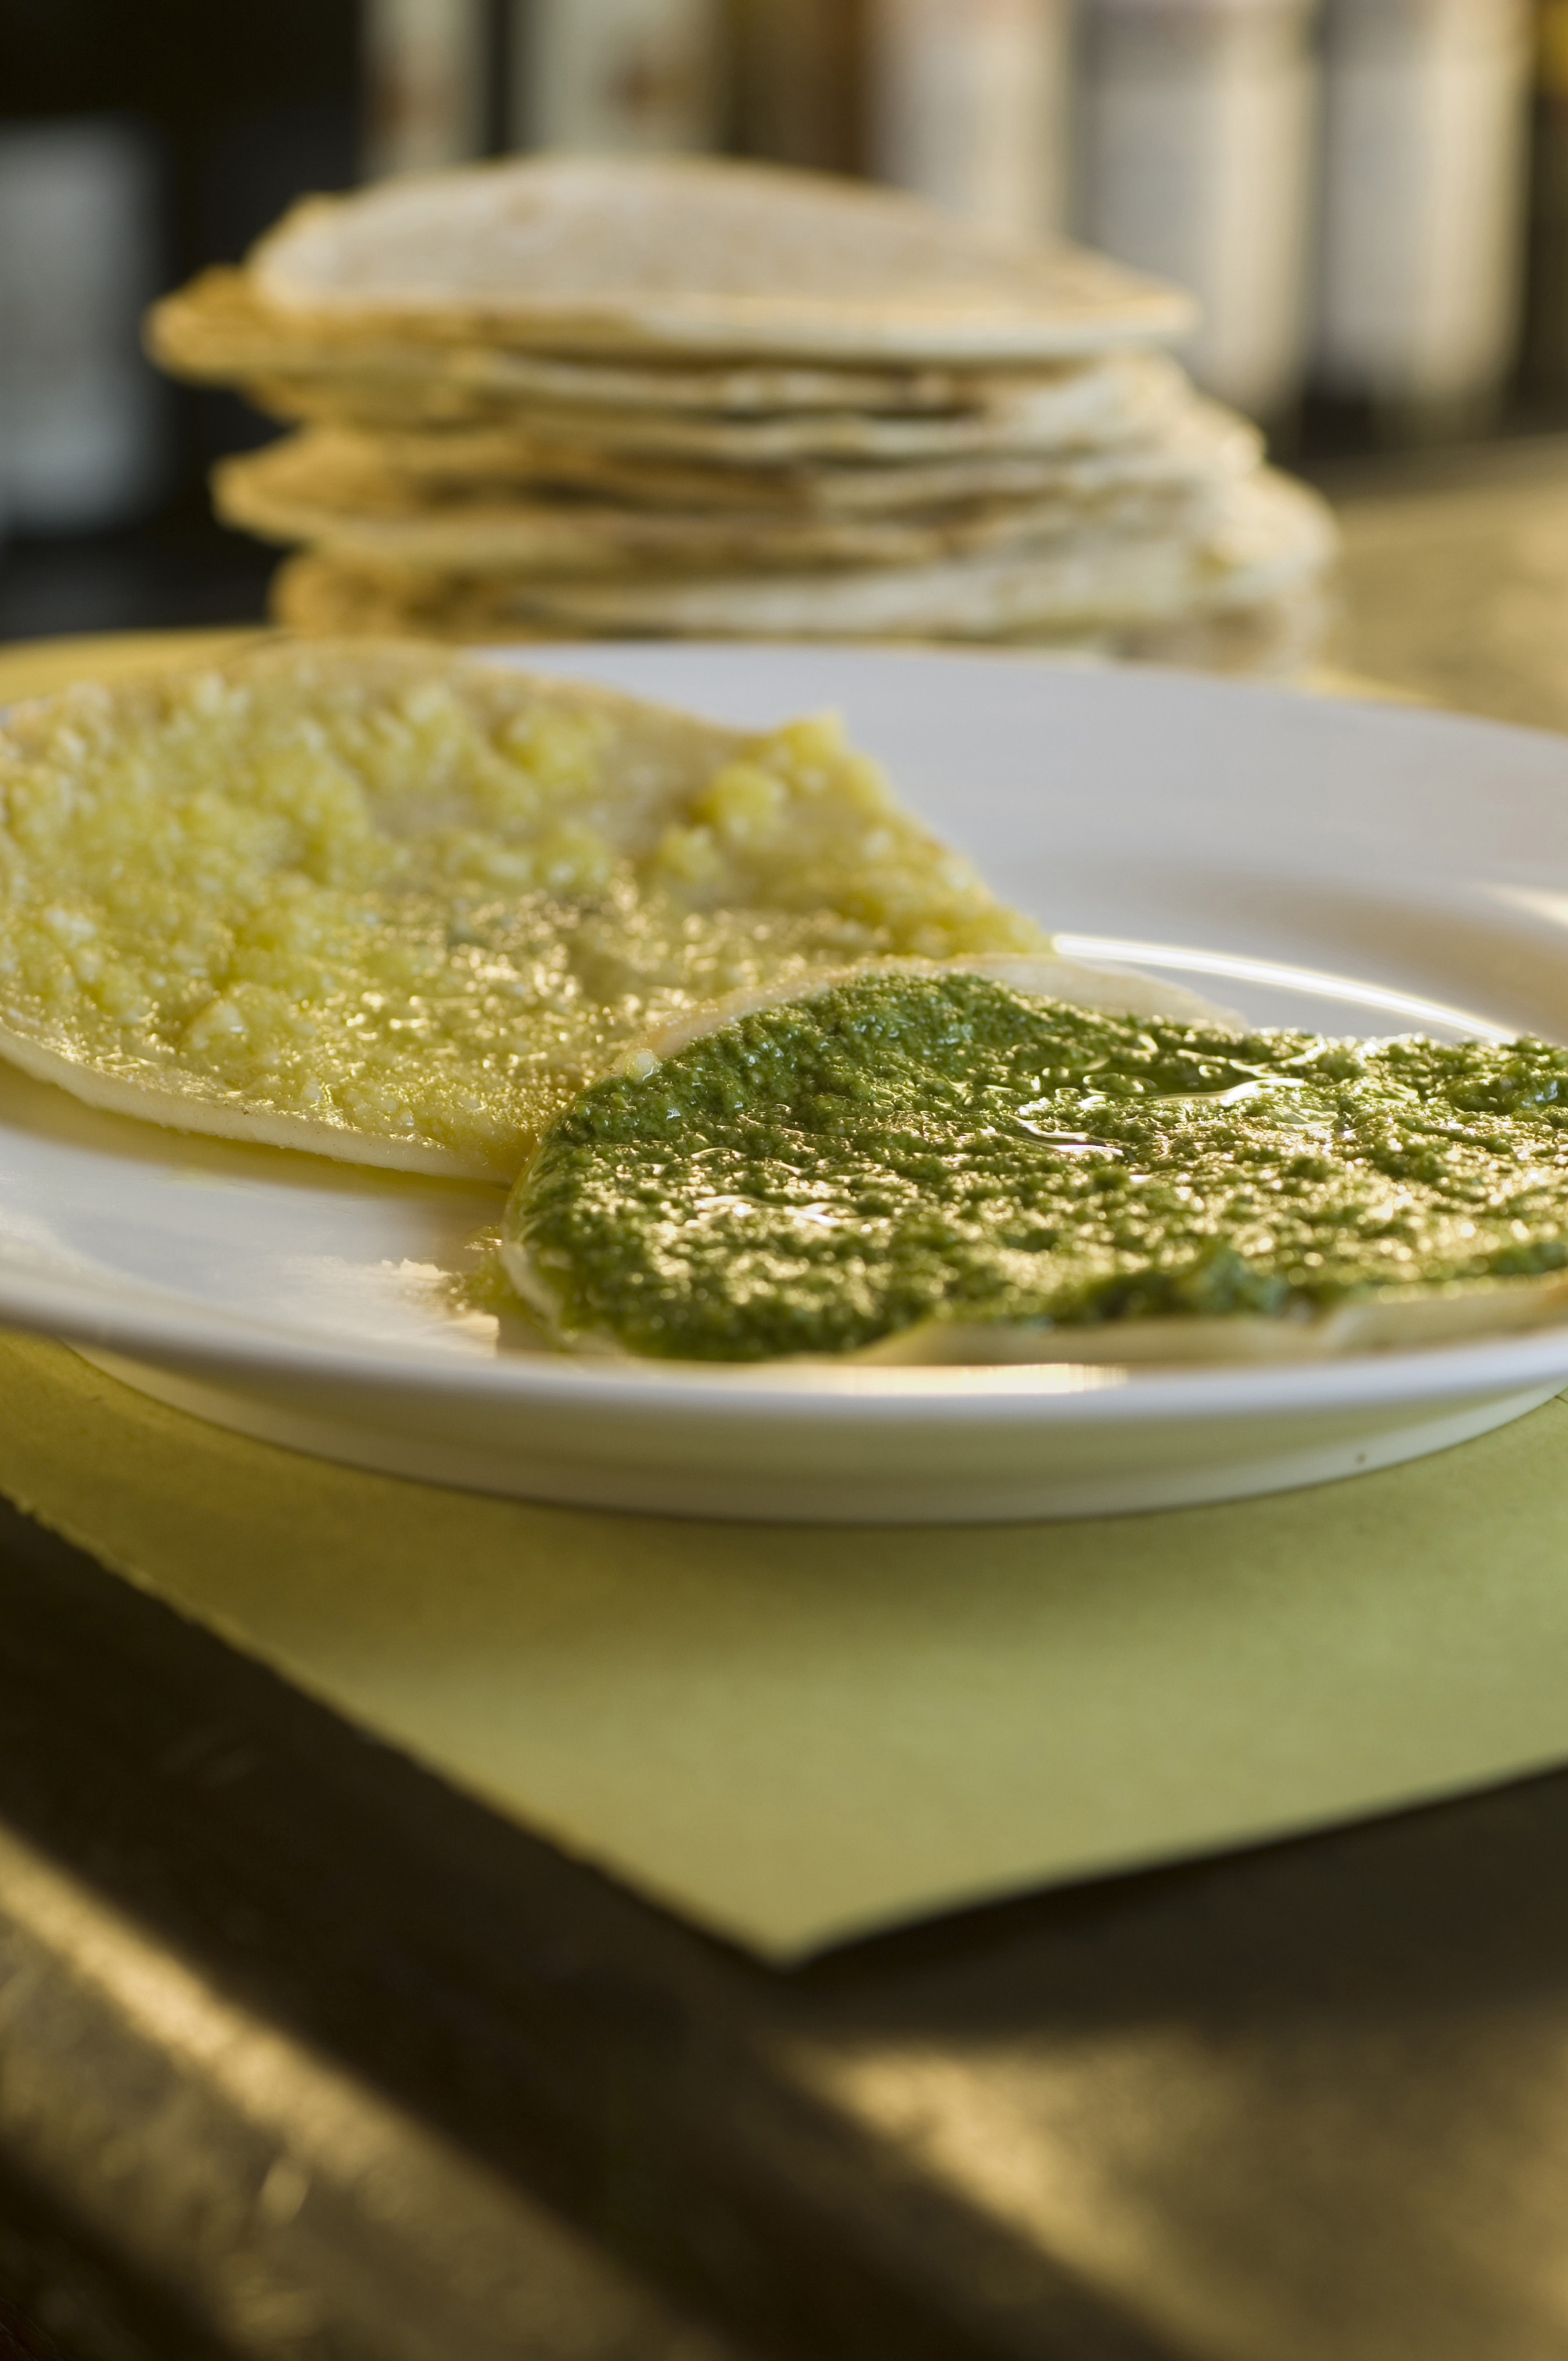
{"type": "Point", "coordinates": [302, 2054]}
{"type": "Point", "coordinates": [1455, 579]}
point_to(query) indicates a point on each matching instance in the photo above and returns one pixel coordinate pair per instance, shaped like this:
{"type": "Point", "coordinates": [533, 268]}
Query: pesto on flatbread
{"type": "Point", "coordinates": [951, 1166]}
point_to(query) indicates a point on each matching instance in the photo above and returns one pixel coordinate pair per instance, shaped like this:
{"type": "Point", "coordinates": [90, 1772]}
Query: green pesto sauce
{"type": "Point", "coordinates": [816, 1176]}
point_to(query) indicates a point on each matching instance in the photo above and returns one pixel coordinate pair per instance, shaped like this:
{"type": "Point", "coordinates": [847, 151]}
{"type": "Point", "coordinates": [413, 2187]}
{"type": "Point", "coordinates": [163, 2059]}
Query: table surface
{"type": "Point", "coordinates": [1454, 584]}
{"type": "Point", "coordinates": [302, 2054]}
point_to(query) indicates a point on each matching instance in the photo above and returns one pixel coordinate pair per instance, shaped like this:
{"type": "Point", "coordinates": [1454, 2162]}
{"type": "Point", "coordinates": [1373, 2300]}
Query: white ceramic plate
{"type": "Point", "coordinates": [1346, 866]}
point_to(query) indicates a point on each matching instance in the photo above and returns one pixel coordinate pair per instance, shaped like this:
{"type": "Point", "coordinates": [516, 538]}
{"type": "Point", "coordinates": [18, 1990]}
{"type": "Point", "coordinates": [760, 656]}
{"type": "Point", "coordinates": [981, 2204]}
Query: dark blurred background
{"type": "Point", "coordinates": [1370, 196]}
{"type": "Point", "coordinates": [138, 142]}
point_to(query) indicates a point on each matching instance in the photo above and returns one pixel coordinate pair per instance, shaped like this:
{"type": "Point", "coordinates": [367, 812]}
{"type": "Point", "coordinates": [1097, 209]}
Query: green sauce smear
{"type": "Point", "coordinates": [819, 1175]}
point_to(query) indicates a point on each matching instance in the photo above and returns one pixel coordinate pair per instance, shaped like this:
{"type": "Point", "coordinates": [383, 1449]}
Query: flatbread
{"type": "Point", "coordinates": [546, 539]}
{"type": "Point", "coordinates": [675, 255]}
{"type": "Point", "coordinates": [1276, 633]}
{"type": "Point", "coordinates": [1096, 403]}
{"type": "Point", "coordinates": [218, 331]}
{"type": "Point", "coordinates": [1082, 982]}
{"type": "Point", "coordinates": [1277, 637]}
{"type": "Point", "coordinates": [338, 493]}
{"type": "Point", "coordinates": [1392, 1322]}
{"type": "Point", "coordinates": [882, 491]}
{"type": "Point", "coordinates": [393, 474]}
{"type": "Point", "coordinates": [1271, 533]}
{"type": "Point", "coordinates": [390, 905]}
{"type": "Point", "coordinates": [1133, 397]}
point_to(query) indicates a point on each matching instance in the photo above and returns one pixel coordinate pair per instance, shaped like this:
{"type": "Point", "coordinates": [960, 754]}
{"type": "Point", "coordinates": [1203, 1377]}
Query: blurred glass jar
{"type": "Point", "coordinates": [640, 75]}
{"type": "Point", "coordinates": [424, 64]}
{"type": "Point", "coordinates": [1545, 360]}
{"type": "Point", "coordinates": [1421, 247]}
{"type": "Point", "coordinates": [797, 74]}
{"type": "Point", "coordinates": [1194, 138]}
{"type": "Point", "coordinates": [967, 103]}
{"type": "Point", "coordinates": [82, 418]}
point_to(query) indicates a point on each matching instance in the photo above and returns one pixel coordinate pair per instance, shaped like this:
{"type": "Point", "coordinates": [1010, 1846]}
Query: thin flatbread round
{"type": "Point", "coordinates": [1134, 398]}
{"type": "Point", "coordinates": [687, 254]}
{"type": "Point", "coordinates": [1275, 635]}
{"type": "Point", "coordinates": [549, 539]}
{"type": "Point", "coordinates": [1391, 1323]}
{"type": "Point", "coordinates": [1271, 533]}
{"type": "Point", "coordinates": [338, 493]}
{"type": "Point", "coordinates": [389, 905]}
{"type": "Point", "coordinates": [393, 471]}
{"type": "Point", "coordinates": [217, 331]}
{"type": "Point", "coordinates": [861, 492]}
{"type": "Point", "coordinates": [390, 470]}
{"type": "Point", "coordinates": [1084, 983]}
{"type": "Point", "coordinates": [1089, 406]}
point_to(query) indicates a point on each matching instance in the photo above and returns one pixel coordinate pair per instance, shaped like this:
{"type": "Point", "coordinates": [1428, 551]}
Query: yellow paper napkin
{"type": "Point", "coordinates": [797, 1735]}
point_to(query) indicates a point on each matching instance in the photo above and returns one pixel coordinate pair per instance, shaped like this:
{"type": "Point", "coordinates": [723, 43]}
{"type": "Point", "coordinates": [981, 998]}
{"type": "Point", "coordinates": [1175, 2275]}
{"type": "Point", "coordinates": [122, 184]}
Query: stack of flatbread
{"type": "Point", "coordinates": [566, 396]}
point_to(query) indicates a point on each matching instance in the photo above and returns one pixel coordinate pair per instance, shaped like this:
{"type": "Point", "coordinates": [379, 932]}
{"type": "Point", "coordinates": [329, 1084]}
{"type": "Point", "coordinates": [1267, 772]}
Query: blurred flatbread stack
{"type": "Point", "coordinates": [573, 395]}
